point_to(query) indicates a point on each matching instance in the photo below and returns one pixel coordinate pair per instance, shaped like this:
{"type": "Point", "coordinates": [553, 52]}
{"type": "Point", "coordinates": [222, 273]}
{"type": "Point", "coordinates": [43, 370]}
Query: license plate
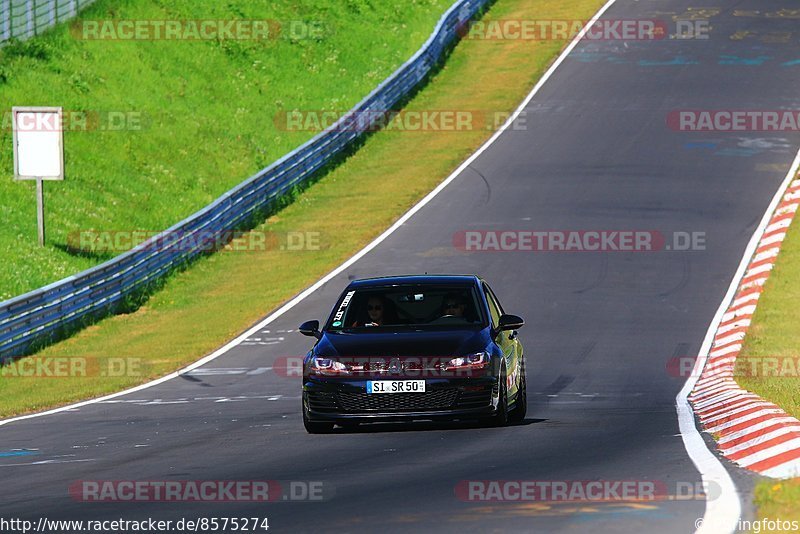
{"type": "Point", "coordinates": [395, 386]}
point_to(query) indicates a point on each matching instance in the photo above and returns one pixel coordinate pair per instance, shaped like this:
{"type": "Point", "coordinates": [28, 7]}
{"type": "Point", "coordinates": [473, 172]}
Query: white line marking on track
{"type": "Point", "coordinates": [162, 402]}
{"type": "Point", "coordinates": [259, 371]}
{"type": "Point", "coordinates": [215, 371]}
{"type": "Point", "coordinates": [48, 462]}
{"type": "Point", "coordinates": [222, 371]}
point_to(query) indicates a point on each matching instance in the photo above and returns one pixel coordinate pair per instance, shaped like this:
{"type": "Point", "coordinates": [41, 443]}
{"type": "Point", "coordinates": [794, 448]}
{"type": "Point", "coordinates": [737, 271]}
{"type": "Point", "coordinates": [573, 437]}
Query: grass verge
{"type": "Point", "coordinates": [157, 129]}
{"type": "Point", "coordinates": [778, 501]}
{"type": "Point", "coordinates": [375, 186]}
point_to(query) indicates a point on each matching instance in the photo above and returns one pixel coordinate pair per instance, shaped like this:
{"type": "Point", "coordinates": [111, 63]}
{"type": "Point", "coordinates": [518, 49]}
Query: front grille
{"type": "Point", "coordinates": [321, 401]}
{"type": "Point", "coordinates": [475, 399]}
{"type": "Point", "coordinates": [410, 402]}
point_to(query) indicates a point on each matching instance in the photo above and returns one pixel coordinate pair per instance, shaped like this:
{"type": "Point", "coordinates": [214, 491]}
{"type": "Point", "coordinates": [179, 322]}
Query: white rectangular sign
{"type": "Point", "coordinates": [38, 143]}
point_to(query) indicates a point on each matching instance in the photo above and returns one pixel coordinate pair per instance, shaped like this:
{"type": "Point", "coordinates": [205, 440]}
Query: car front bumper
{"type": "Point", "coordinates": [347, 400]}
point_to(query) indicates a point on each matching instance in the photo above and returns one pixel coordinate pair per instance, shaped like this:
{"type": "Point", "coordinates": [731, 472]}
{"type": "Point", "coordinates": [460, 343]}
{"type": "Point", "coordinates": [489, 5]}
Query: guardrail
{"type": "Point", "coordinates": [48, 313]}
{"type": "Point", "coordinates": [21, 19]}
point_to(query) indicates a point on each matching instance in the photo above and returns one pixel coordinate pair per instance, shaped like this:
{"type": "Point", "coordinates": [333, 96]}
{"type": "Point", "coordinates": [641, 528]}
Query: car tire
{"type": "Point", "coordinates": [313, 427]}
{"type": "Point", "coordinates": [520, 409]}
{"type": "Point", "coordinates": [500, 418]}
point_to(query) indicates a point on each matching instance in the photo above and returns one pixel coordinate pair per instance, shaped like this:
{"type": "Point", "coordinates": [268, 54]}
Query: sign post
{"type": "Point", "coordinates": [40, 209]}
{"type": "Point", "coordinates": [38, 139]}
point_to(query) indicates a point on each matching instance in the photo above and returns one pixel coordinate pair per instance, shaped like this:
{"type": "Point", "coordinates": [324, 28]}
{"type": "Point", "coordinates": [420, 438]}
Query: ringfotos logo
{"type": "Point", "coordinates": [576, 241]}
{"type": "Point", "coordinates": [432, 120]}
{"type": "Point", "coordinates": [741, 120]}
{"type": "Point", "coordinates": [561, 30]}
{"type": "Point", "coordinates": [199, 30]}
{"type": "Point", "coordinates": [77, 121]}
{"type": "Point", "coordinates": [192, 491]}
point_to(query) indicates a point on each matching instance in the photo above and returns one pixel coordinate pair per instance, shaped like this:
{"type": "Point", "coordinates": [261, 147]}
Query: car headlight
{"type": "Point", "coordinates": [478, 360]}
{"type": "Point", "coordinates": [328, 366]}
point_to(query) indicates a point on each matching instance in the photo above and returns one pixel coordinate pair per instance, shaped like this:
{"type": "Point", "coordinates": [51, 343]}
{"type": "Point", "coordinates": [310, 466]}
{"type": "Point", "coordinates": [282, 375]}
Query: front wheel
{"type": "Point", "coordinates": [520, 409]}
{"type": "Point", "coordinates": [500, 418]}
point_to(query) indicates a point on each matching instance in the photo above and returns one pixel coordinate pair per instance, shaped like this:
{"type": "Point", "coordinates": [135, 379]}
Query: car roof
{"type": "Point", "coordinates": [455, 279]}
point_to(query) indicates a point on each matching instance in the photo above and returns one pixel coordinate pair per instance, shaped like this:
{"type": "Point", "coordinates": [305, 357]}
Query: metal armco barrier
{"type": "Point", "coordinates": [47, 313]}
{"type": "Point", "coordinates": [21, 19]}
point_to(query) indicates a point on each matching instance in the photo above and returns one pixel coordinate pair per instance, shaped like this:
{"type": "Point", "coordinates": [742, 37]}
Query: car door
{"type": "Point", "coordinates": [508, 343]}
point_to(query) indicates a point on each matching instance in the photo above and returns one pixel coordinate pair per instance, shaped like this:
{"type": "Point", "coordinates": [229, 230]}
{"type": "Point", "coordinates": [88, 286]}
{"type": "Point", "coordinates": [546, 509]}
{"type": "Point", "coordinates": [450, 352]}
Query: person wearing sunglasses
{"type": "Point", "coordinates": [379, 312]}
{"type": "Point", "coordinates": [375, 311]}
{"type": "Point", "coordinates": [454, 306]}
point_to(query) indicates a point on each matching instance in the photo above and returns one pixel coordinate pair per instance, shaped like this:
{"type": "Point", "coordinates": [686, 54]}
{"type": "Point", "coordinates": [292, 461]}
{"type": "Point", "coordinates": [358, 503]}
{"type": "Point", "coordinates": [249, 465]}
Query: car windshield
{"type": "Point", "coordinates": [411, 306]}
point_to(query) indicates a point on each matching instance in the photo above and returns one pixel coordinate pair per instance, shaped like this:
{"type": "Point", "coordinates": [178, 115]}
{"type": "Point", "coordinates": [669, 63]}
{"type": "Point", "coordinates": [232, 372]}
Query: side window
{"type": "Point", "coordinates": [494, 308]}
{"type": "Point", "coordinates": [496, 300]}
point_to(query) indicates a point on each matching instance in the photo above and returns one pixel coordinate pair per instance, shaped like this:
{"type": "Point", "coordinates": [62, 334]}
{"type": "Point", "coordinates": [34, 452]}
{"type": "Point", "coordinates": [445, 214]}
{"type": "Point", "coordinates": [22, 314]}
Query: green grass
{"type": "Point", "coordinates": [202, 113]}
{"type": "Point", "coordinates": [773, 333]}
{"type": "Point", "coordinates": [774, 338]}
{"type": "Point", "coordinates": [221, 295]}
{"type": "Point", "coordinates": [778, 500]}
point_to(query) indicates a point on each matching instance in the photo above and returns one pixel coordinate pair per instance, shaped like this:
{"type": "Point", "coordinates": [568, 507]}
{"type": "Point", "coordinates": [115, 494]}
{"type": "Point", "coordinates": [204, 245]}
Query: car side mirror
{"type": "Point", "coordinates": [510, 322]}
{"type": "Point", "coordinates": [310, 328]}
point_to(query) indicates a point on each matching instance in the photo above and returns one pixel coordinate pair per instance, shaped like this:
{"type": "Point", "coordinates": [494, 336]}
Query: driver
{"type": "Point", "coordinates": [380, 312]}
{"type": "Point", "coordinates": [453, 305]}
{"type": "Point", "coordinates": [375, 309]}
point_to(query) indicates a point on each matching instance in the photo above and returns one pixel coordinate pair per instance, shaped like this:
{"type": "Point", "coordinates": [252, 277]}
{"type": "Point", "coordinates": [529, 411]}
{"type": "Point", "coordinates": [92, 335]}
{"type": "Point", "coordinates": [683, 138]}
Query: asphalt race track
{"type": "Point", "coordinates": [594, 154]}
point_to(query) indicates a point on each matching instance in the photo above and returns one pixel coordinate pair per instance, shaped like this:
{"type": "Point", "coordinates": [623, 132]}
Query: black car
{"type": "Point", "coordinates": [414, 347]}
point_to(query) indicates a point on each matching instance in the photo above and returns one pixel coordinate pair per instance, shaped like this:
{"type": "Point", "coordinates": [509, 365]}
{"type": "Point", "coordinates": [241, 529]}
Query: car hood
{"type": "Point", "coordinates": [416, 343]}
